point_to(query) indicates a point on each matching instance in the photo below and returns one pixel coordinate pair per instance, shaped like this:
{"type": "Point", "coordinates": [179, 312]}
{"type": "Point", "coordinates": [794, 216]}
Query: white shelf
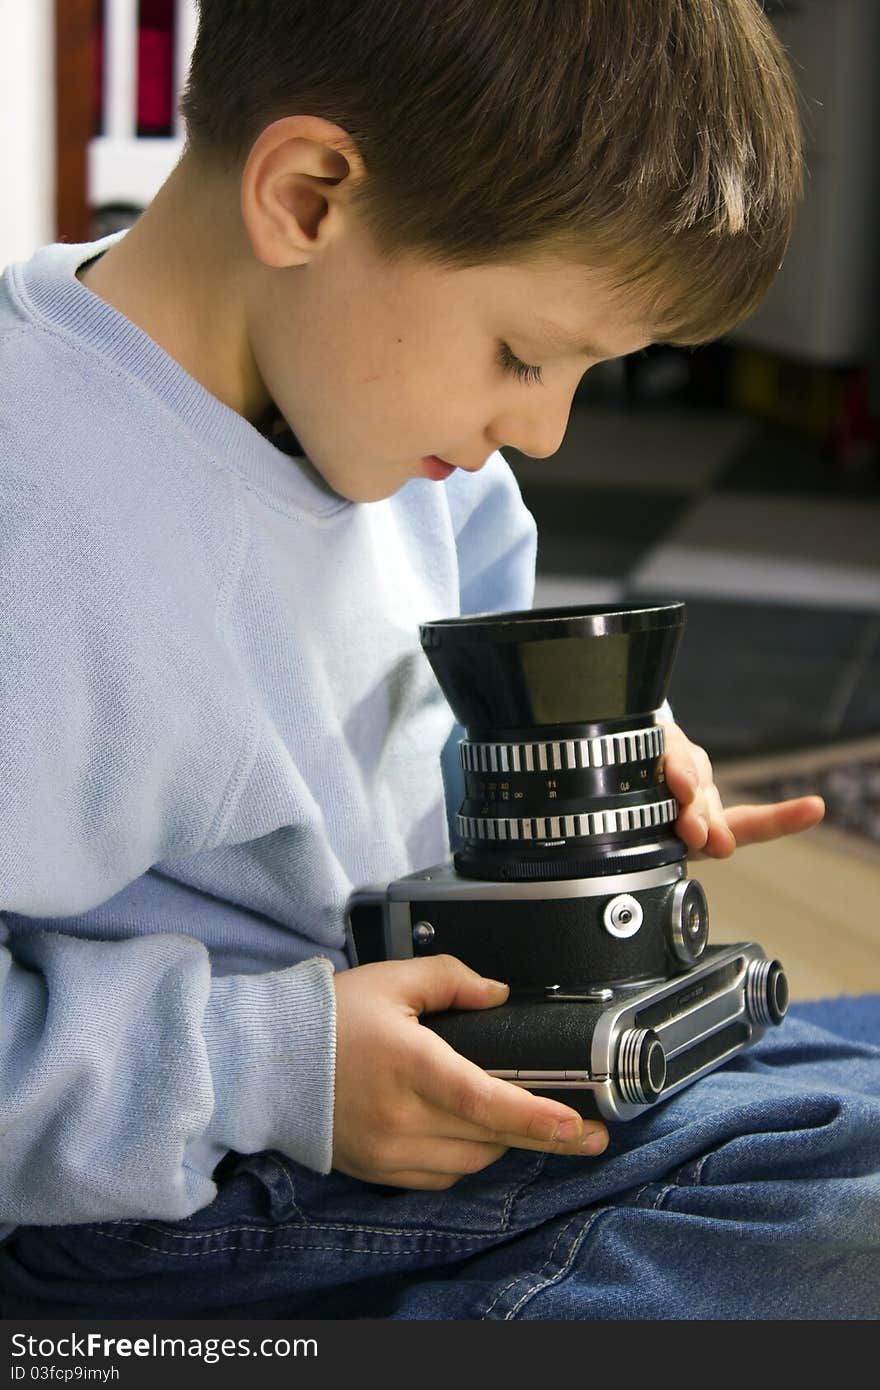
{"type": "Point", "coordinates": [129, 171]}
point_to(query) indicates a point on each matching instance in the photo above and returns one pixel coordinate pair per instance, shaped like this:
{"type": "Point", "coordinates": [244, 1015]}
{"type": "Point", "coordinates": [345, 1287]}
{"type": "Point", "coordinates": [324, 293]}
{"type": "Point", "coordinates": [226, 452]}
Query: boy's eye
{"type": "Point", "coordinates": [511, 363]}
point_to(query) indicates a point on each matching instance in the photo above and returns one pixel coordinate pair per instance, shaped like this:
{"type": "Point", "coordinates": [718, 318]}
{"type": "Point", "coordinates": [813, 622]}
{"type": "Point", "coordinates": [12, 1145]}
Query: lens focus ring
{"type": "Point", "coordinates": [566, 755]}
{"type": "Point", "coordinates": [610, 822]}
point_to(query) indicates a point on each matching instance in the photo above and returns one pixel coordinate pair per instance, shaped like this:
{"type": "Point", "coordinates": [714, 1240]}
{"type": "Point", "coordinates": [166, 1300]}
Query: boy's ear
{"type": "Point", "coordinates": [294, 186]}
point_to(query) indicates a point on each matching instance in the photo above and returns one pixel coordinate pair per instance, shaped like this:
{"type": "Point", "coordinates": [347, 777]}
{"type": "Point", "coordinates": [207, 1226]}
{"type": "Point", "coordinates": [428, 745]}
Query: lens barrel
{"type": "Point", "coordinates": [563, 758]}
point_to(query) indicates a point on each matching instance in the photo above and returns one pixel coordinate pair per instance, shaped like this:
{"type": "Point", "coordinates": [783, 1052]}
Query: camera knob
{"type": "Point", "coordinates": [641, 1066]}
{"type": "Point", "coordinates": [688, 925]}
{"type": "Point", "coordinates": [422, 935]}
{"type": "Point", "coordinates": [623, 915]}
{"type": "Point", "coordinates": [766, 991]}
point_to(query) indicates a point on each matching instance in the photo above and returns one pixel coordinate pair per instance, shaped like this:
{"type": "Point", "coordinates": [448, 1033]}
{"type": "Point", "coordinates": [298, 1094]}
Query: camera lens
{"type": "Point", "coordinates": [563, 758]}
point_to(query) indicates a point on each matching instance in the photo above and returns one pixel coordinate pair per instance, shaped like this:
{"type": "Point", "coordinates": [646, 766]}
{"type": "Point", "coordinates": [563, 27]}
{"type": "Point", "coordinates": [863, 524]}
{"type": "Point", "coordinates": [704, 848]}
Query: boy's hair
{"type": "Point", "coordinates": [657, 140]}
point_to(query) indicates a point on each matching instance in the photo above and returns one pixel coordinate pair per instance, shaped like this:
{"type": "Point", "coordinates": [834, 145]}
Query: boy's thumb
{"type": "Point", "coordinates": [445, 982]}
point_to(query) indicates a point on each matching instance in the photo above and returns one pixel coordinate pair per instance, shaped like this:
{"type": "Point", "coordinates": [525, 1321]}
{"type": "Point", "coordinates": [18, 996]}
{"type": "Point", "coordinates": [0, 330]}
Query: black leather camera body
{"type": "Point", "coordinates": [570, 884]}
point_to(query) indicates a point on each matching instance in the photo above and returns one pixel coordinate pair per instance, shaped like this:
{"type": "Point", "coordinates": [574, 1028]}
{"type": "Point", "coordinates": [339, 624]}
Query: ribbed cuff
{"type": "Point", "coordinates": [271, 1043]}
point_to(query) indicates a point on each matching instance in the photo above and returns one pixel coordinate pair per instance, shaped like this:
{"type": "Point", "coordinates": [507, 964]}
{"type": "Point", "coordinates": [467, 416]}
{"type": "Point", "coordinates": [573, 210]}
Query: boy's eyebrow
{"type": "Point", "coordinates": [571, 340]}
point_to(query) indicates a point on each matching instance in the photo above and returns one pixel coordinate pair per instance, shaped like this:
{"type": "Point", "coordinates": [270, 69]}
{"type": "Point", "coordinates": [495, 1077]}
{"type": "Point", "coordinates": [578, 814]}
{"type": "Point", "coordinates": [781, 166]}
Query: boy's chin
{"type": "Point", "coordinates": [364, 492]}
{"type": "Point", "coordinates": [357, 487]}
{"type": "Point", "coordinates": [366, 489]}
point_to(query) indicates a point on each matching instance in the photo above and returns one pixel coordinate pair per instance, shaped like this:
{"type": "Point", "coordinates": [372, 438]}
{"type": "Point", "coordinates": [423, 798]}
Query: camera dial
{"type": "Point", "coordinates": [623, 916]}
{"type": "Point", "coordinates": [688, 925]}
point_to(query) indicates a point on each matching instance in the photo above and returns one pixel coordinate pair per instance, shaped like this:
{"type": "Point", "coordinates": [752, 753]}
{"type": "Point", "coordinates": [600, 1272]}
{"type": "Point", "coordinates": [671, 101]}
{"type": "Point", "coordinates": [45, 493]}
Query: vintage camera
{"type": "Point", "coordinates": [571, 884]}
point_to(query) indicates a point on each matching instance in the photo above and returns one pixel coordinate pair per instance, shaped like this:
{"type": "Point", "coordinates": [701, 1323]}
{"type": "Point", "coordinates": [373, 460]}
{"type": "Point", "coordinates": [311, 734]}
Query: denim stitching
{"type": "Point", "coordinates": [663, 1194]}
{"type": "Point", "coordinates": [263, 1229]}
{"type": "Point", "coordinates": [640, 1192]}
{"type": "Point", "coordinates": [566, 1268]}
{"type": "Point", "coordinates": [513, 1197]}
{"type": "Point", "coordinates": [690, 1174]}
{"type": "Point", "coordinates": [517, 1192]}
{"type": "Point", "coordinates": [549, 1260]}
{"type": "Point", "coordinates": [225, 1249]}
{"type": "Point", "coordinates": [697, 1176]}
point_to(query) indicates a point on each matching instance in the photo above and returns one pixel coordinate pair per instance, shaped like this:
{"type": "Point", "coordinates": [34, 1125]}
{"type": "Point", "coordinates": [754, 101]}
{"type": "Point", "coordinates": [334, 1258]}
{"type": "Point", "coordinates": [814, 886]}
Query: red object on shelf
{"type": "Point", "coordinates": [157, 14]}
{"type": "Point", "coordinates": [155, 115]}
{"type": "Point", "coordinates": [155, 69]}
{"type": "Point", "coordinates": [155, 111]}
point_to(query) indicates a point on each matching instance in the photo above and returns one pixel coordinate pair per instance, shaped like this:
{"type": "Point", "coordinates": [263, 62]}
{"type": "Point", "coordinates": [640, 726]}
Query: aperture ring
{"type": "Point", "coordinates": [590, 823]}
{"type": "Point", "coordinates": [605, 750]}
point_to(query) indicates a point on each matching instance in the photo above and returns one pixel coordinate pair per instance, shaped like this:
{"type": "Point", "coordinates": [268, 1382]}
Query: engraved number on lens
{"type": "Point", "coordinates": [623, 916]}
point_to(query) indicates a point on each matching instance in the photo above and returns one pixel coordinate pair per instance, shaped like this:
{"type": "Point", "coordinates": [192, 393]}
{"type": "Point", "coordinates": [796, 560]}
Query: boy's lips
{"type": "Point", "coordinates": [436, 468]}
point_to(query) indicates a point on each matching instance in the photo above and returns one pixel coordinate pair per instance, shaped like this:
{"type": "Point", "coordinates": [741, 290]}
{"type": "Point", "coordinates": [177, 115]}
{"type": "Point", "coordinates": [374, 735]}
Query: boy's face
{"type": "Point", "coordinates": [377, 366]}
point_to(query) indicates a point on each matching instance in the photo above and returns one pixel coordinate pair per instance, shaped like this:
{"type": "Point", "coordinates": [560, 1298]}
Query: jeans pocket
{"type": "Point", "coordinates": [482, 1205]}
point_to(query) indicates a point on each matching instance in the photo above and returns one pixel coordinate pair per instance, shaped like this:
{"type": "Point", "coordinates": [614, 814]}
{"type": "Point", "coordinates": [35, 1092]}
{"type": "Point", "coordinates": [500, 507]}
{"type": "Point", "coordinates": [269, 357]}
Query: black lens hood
{"type": "Point", "coordinates": [576, 667]}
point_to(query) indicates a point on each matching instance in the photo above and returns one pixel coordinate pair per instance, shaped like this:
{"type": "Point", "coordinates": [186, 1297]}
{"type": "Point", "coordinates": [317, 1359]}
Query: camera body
{"type": "Point", "coordinates": [570, 884]}
{"type": "Point", "coordinates": [582, 1020]}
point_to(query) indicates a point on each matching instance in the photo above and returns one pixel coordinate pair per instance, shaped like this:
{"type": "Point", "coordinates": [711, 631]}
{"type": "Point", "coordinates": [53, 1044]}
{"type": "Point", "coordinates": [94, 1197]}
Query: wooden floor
{"type": "Point", "coordinates": [812, 900]}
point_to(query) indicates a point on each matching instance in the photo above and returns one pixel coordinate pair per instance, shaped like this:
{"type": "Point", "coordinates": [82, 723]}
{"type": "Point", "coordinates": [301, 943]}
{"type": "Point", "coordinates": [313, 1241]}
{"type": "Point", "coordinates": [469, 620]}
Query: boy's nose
{"type": "Point", "coordinates": [536, 433]}
{"type": "Point", "coordinates": [538, 439]}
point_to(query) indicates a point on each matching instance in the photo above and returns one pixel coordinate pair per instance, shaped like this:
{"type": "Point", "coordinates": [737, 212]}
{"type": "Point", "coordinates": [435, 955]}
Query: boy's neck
{"type": "Point", "coordinates": [179, 274]}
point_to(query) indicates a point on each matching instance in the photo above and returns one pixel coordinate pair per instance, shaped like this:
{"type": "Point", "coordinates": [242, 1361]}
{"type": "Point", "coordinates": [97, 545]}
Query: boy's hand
{"type": "Point", "coordinates": [706, 827]}
{"type": "Point", "coordinates": [410, 1111]}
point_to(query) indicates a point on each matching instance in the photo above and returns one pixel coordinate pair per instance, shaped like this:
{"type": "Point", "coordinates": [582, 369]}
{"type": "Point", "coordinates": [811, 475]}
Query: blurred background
{"type": "Point", "coordinates": [742, 477]}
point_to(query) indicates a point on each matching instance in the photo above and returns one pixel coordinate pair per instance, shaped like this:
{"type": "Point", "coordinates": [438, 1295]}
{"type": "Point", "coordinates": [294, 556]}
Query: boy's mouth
{"type": "Point", "coordinates": [436, 468]}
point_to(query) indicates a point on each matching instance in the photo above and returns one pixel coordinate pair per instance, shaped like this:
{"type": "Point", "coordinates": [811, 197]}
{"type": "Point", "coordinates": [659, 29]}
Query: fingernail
{"type": "Point", "coordinates": [567, 1130]}
{"type": "Point", "coordinates": [594, 1141]}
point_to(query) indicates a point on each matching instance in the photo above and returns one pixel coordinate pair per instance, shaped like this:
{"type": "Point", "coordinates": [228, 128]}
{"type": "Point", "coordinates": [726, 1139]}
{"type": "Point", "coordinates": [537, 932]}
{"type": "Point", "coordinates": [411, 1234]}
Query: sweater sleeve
{"type": "Point", "coordinates": [126, 1070]}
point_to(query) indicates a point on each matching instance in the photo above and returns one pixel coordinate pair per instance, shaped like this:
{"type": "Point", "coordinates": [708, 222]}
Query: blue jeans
{"type": "Point", "coordinates": [754, 1193]}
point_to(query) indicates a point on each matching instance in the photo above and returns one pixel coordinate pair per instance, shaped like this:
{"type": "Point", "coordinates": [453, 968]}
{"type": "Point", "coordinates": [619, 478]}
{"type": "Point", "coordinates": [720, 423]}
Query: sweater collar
{"type": "Point", "coordinates": [49, 292]}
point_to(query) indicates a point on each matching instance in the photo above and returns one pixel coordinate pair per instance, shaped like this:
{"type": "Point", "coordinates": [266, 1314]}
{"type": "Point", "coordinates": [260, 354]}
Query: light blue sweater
{"type": "Point", "coordinates": [216, 720]}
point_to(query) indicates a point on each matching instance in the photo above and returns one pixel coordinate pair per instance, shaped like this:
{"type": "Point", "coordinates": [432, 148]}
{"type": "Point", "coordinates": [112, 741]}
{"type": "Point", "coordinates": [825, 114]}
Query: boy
{"type": "Point", "coordinates": [248, 447]}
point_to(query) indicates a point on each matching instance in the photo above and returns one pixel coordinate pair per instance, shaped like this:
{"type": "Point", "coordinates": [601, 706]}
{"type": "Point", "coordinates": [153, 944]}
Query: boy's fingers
{"type": "Point", "coordinates": [437, 983]}
{"type": "Point", "coordinates": [754, 824]}
{"type": "Point", "coordinates": [432, 1164]}
{"type": "Point", "coordinates": [432, 1177]}
{"type": "Point", "coordinates": [488, 1108]}
{"type": "Point", "coordinates": [681, 765]}
{"type": "Point", "coordinates": [571, 1135]}
{"type": "Point", "coordinates": [722, 840]}
{"type": "Point", "coordinates": [682, 779]}
{"type": "Point", "coordinates": [455, 1158]}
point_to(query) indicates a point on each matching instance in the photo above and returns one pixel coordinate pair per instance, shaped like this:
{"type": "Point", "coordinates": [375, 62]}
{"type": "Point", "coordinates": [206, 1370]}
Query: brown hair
{"type": "Point", "coordinates": [657, 139]}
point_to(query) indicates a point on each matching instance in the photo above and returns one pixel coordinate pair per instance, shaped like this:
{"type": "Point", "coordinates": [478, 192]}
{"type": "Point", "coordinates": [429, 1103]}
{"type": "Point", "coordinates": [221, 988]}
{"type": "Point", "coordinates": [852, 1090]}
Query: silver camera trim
{"type": "Point", "coordinates": [680, 1034]}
